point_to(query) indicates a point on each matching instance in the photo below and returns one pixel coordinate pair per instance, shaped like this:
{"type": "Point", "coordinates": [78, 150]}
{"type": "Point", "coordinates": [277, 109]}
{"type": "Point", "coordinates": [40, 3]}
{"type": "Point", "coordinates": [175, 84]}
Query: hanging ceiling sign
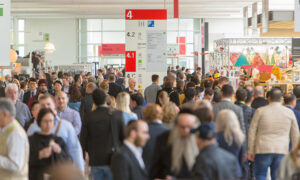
{"type": "Point", "coordinates": [146, 44]}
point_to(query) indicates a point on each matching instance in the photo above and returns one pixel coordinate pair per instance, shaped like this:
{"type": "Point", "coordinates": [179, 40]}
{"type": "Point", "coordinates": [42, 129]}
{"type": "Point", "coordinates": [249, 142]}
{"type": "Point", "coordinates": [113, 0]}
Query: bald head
{"type": "Point", "coordinates": [131, 83]}
{"type": "Point", "coordinates": [258, 91]}
{"type": "Point", "coordinates": [185, 122]}
{"type": "Point", "coordinates": [62, 100]}
{"type": "Point", "coordinates": [90, 87]}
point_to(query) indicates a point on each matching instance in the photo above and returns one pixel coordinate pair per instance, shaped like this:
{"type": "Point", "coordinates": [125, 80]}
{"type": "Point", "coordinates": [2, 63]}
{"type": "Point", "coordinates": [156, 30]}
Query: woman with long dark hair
{"type": "Point", "coordinates": [74, 98]}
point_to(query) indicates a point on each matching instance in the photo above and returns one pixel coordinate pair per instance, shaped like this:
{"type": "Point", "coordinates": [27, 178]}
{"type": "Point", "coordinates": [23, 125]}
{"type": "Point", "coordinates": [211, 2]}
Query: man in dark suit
{"type": "Point", "coordinates": [241, 96]}
{"type": "Point", "coordinates": [127, 163]}
{"type": "Point", "coordinates": [131, 86]}
{"type": "Point", "coordinates": [296, 92]}
{"type": "Point", "coordinates": [153, 114]}
{"type": "Point", "coordinates": [137, 104]}
{"type": "Point", "coordinates": [120, 80]}
{"type": "Point", "coordinates": [114, 89]}
{"type": "Point", "coordinates": [259, 100]}
{"type": "Point", "coordinates": [2, 92]}
{"type": "Point", "coordinates": [101, 134]}
{"type": "Point", "coordinates": [87, 102]}
{"type": "Point", "coordinates": [176, 150]}
{"type": "Point", "coordinates": [226, 103]}
{"type": "Point", "coordinates": [213, 162]}
{"type": "Point", "coordinates": [290, 101]}
{"type": "Point", "coordinates": [32, 92]}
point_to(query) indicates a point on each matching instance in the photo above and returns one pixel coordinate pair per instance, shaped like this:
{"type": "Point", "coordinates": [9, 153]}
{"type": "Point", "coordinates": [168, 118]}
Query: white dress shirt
{"type": "Point", "coordinates": [137, 151]}
{"type": "Point", "coordinates": [16, 145]}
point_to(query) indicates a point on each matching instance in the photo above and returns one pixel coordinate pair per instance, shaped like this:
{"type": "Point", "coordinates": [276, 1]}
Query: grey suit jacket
{"type": "Point", "coordinates": [151, 92]}
{"type": "Point", "coordinates": [229, 105]}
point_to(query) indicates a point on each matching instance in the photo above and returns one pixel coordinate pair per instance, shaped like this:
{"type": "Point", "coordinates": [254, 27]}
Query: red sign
{"type": "Point", "coordinates": [146, 14]}
{"type": "Point", "coordinates": [106, 49]}
{"type": "Point", "coordinates": [182, 45]}
{"type": "Point", "coordinates": [176, 8]}
{"type": "Point", "coordinates": [130, 61]}
{"type": "Point", "coordinates": [180, 40]}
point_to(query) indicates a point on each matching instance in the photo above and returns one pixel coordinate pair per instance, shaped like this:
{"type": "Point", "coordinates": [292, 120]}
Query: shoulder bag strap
{"type": "Point", "coordinates": [110, 112]}
{"type": "Point", "coordinates": [57, 129]}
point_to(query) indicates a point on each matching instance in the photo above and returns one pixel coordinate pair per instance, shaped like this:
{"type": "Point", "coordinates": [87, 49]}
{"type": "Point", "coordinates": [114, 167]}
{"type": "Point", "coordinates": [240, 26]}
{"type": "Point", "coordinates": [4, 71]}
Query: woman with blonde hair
{"type": "Point", "coordinates": [290, 165]}
{"type": "Point", "coordinates": [105, 86]}
{"type": "Point", "coordinates": [163, 98]}
{"type": "Point", "coordinates": [170, 111]}
{"type": "Point", "coordinates": [123, 104]}
{"type": "Point", "coordinates": [231, 138]}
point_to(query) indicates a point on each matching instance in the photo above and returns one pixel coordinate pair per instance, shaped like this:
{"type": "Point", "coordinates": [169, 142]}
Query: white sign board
{"type": "Point", "coordinates": [146, 44]}
{"type": "Point", "coordinates": [4, 32]}
{"type": "Point", "coordinates": [297, 16]}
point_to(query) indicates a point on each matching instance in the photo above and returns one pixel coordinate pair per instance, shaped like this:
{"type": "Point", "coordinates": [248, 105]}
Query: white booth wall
{"type": "Point", "coordinates": [62, 33]}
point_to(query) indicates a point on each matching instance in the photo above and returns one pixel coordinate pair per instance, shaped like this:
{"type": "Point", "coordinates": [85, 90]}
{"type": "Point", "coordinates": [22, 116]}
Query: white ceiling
{"type": "Point", "coordinates": [116, 8]}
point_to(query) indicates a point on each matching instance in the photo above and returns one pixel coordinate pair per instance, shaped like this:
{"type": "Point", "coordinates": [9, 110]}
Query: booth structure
{"type": "Point", "coordinates": [252, 51]}
{"type": "Point", "coordinates": [266, 61]}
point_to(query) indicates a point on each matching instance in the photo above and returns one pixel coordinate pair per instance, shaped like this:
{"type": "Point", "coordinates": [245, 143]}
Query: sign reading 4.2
{"type": "Point", "coordinates": [131, 34]}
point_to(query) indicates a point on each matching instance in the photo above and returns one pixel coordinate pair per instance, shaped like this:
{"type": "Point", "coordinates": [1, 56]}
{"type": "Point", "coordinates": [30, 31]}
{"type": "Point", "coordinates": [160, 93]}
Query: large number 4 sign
{"type": "Point", "coordinates": [129, 14]}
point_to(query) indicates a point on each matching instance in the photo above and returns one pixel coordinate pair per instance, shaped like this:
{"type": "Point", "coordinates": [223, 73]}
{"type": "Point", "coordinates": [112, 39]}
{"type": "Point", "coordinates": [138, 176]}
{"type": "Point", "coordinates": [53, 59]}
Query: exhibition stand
{"type": "Point", "coordinates": [257, 61]}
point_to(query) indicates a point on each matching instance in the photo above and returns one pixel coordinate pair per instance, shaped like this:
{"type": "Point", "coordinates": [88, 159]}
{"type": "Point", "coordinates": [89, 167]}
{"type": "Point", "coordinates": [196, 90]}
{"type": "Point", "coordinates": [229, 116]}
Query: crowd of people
{"type": "Point", "coordinates": [182, 126]}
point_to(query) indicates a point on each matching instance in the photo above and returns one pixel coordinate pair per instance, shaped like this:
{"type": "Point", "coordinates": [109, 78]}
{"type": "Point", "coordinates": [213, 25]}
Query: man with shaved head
{"type": "Point", "coordinates": [259, 100]}
{"type": "Point", "coordinates": [65, 112]}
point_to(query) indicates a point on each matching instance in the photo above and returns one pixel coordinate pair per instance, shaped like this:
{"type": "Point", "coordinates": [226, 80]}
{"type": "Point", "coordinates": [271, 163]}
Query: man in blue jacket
{"type": "Point", "coordinates": [296, 92]}
{"type": "Point", "coordinates": [290, 102]}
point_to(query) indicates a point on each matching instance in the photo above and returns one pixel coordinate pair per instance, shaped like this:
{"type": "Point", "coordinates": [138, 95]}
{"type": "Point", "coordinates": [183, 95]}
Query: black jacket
{"type": "Point", "coordinates": [38, 167]}
{"type": "Point", "coordinates": [26, 97]}
{"type": "Point", "coordinates": [162, 160]}
{"type": "Point", "coordinates": [155, 130]}
{"type": "Point", "coordinates": [248, 114]}
{"type": "Point", "coordinates": [127, 90]}
{"type": "Point", "coordinates": [97, 137]}
{"type": "Point", "coordinates": [2, 92]}
{"type": "Point", "coordinates": [86, 105]}
{"type": "Point", "coordinates": [125, 166]}
{"type": "Point", "coordinates": [214, 163]}
{"type": "Point", "coordinates": [139, 112]}
{"type": "Point", "coordinates": [114, 89]}
{"type": "Point", "coordinates": [259, 102]}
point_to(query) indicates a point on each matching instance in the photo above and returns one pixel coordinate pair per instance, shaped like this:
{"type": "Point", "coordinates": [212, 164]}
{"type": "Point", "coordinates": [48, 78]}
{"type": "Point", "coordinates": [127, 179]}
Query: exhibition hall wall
{"type": "Point", "coordinates": [73, 44]}
{"type": "Point", "coordinates": [62, 33]}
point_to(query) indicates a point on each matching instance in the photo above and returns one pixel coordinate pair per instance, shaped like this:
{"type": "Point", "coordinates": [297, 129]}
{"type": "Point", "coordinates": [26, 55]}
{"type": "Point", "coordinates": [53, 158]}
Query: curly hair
{"type": "Point", "coordinates": [105, 86]}
{"type": "Point", "coordinates": [170, 112]}
{"type": "Point", "coordinates": [152, 112]}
